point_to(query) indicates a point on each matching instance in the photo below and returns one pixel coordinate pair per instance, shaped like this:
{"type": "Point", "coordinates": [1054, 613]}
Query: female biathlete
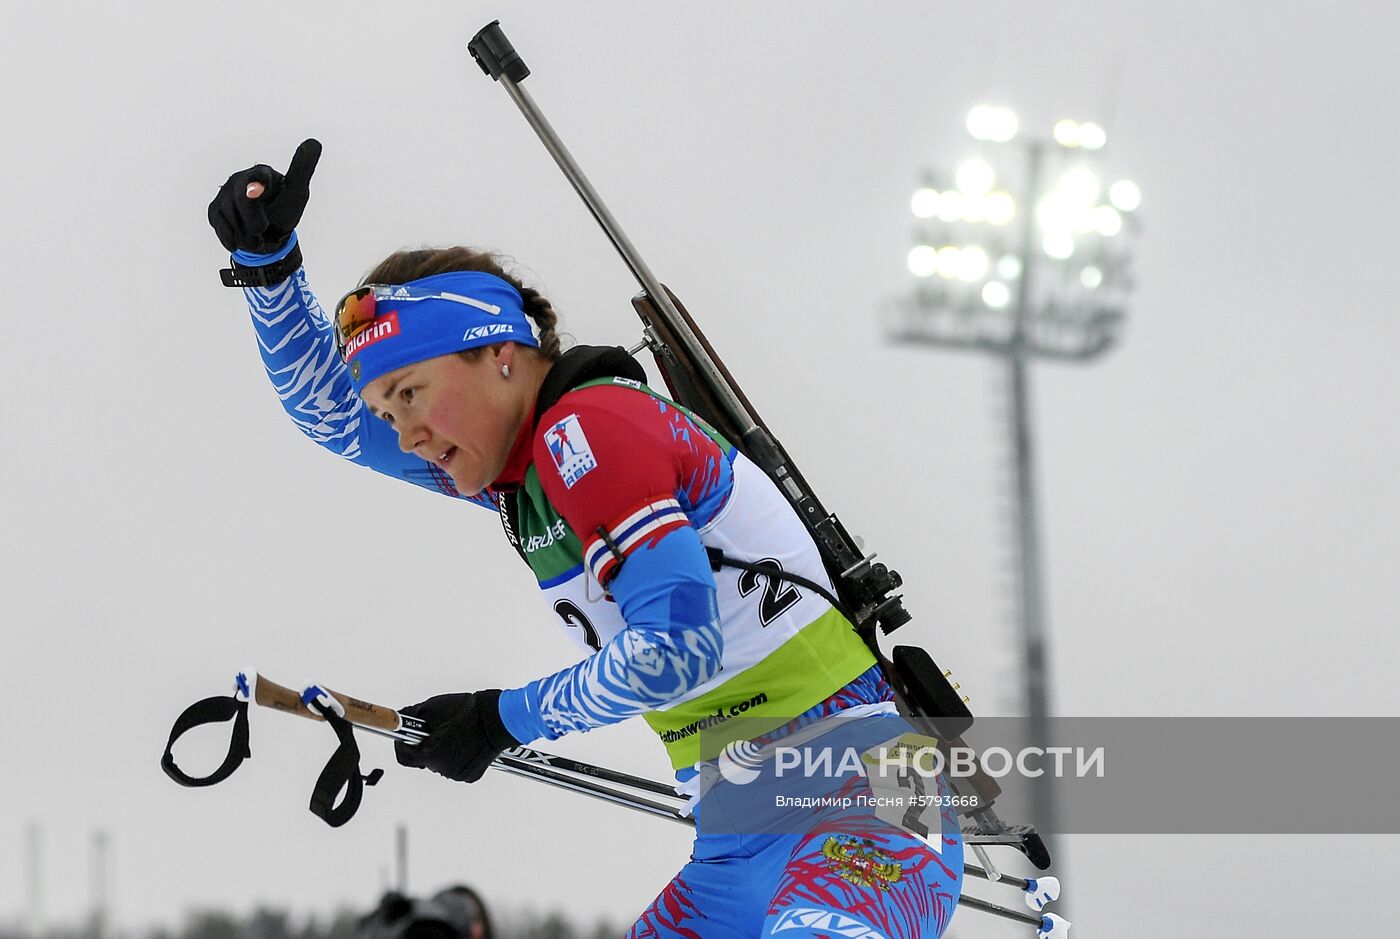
{"type": "Point", "coordinates": [432, 372]}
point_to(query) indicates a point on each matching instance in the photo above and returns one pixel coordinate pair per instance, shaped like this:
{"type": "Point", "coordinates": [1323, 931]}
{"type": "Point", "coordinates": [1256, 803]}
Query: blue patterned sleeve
{"type": "Point", "coordinates": [672, 644]}
{"type": "Point", "coordinates": [298, 350]}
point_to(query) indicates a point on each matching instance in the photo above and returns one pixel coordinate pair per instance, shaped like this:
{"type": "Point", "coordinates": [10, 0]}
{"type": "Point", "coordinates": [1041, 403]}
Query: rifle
{"type": "Point", "coordinates": [698, 380]}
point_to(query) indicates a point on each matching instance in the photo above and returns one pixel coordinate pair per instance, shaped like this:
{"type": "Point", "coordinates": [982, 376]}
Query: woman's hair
{"type": "Point", "coordinates": [404, 266]}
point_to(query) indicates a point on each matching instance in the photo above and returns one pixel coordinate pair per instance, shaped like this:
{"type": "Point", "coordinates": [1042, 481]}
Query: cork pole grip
{"type": "Point", "coordinates": [269, 694]}
{"type": "Point", "coordinates": [365, 714]}
{"type": "Point", "coordinates": [272, 695]}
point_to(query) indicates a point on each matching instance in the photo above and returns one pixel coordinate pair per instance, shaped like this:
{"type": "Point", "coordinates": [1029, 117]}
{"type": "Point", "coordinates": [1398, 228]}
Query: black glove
{"type": "Point", "coordinates": [465, 734]}
{"type": "Point", "coordinates": [263, 225]}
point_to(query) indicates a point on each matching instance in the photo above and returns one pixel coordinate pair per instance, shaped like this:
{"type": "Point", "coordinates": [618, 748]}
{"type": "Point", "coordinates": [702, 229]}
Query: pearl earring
{"type": "Point", "coordinates": [505, 371]}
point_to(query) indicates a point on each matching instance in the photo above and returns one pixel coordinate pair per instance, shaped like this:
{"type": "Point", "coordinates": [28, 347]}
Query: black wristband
{"type": "Point", "coordinates": [266, 276]}
{"type": "Point", "coordinates": [491, 723]}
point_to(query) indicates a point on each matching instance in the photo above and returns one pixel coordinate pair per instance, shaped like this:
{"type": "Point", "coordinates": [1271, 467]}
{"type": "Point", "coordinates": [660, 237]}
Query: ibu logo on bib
{"type": "Point", "coordinates": [569, 447]}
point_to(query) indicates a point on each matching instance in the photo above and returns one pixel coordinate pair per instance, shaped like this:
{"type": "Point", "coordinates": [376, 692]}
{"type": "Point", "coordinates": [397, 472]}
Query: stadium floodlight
{"type": "Point", "coordinates": [950, 205]}
{"type": "Point", "coordinates": [975, 177]}
{"type": "Point", "coordinates": [985, 122]}
{"type": "Point", "coordinates": [1049, 286]}
{"type": "Point", "coordinates": [996, 294]}
{"type": "Point", "coordinates": [924, 203]}
{"type": "Point", "coordinates": [999, 207]}
{"type": "Point", "coordinates": [1125, 195]}
{"type": "Point", "coordinates": [980, 121]}
{"type": "Point", "coordinates": [1092, 136]}
{"type": "Point", "coordinates": [1080, 186]}
{"type": "Point", "coordinates": [975, 209]}
{"type": "Point", "coordinates": [1076, 135]}
{"type": "Point", "coordinates": [1067, 133]}
{"type": "Point", "coordinates": [1055, 213]}
{"type": "Point", "coordinates": [1107, 221]}
{"type": "Point", "coordinates": [923, 261]}
{"type": "Point", "coordinates": [949, 261]}
{"type": "Point", "coordinates": [1005, 127]}
{"type": "Point", "coordinates": [973, 264]}
{"type": "Point", "coordinates": [1058, 244]}
{"type": "Point", "coordinates": [1081, 219]}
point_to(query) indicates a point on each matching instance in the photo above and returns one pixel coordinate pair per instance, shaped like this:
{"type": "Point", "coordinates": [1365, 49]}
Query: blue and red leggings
{"type": "Point", "coordinates": [852, 876]}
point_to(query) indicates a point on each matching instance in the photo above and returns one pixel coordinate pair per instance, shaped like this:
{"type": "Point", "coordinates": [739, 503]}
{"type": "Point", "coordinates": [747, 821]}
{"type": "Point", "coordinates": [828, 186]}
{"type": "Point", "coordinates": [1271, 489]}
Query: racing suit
{"type": "Point", "coordinates": [613, 496]}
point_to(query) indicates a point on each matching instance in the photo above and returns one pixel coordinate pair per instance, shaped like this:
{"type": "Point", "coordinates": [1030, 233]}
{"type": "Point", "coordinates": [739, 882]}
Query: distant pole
{"type": "Point", "coordinates": [33, 834]}
{"type": "Point", "coordinates": [1034, 660]}
{"type": "Point", "coordinates": [401, 852]}
{"type": "Point", "coordinates": [98, 874]}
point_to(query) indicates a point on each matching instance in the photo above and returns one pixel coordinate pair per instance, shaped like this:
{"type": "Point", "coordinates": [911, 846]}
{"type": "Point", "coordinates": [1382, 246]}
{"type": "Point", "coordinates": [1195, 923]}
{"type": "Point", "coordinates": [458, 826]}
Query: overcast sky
{"type": "Point", "coordinates": [1219, 493]}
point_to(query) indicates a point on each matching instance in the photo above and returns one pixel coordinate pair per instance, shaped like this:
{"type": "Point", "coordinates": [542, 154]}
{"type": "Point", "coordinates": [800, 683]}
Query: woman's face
{"type": "Point", "coordinates": [459, 413]}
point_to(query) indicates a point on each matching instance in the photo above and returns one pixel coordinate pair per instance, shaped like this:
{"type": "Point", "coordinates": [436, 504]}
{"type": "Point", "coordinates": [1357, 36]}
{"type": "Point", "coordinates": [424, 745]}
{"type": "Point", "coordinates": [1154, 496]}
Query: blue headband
{"type": "Point", "coordinates": [435, 316]}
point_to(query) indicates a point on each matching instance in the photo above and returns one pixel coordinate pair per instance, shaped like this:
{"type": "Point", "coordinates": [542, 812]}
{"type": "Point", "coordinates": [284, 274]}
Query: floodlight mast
{"type": "Point", "coordinates": [1046, 331]}
{"type": "Point", "coordinates": [1035, 655]}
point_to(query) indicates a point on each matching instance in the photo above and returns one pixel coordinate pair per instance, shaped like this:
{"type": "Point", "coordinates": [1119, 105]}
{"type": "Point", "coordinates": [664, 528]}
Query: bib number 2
{"type": "Point", "coordinates": [778, 595]}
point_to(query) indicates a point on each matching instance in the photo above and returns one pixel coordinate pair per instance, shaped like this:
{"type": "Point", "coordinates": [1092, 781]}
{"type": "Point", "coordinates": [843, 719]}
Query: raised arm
{"type": "Point", "coordinates": [255, 215]}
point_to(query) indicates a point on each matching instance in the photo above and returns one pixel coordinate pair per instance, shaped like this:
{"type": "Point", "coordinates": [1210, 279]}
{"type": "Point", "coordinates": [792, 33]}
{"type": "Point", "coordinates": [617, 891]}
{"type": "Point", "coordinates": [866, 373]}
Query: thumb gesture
{"type": "Point", "coordinates": [256, 209]}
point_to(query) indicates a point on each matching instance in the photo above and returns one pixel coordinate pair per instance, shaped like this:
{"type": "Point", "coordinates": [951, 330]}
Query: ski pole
{"type": "Point", "coordinates": [542, 773]}
{"type": "Point", "coordinates": [520, 761]}
{"type": "Point", "coordinates": [1047, 925]}
{"type": "Point", "coordinates": [390, 723]}
{"type": "Point", "coordinates": [564, 773]}
{"type": "Point", "coordinates": [597, 782]}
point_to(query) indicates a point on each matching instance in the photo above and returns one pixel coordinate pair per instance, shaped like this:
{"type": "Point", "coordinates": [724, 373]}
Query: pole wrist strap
{"type": "Point", "coordinates": [210, 711]}
{"type": "Point", "coordinates": [342, 771]}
